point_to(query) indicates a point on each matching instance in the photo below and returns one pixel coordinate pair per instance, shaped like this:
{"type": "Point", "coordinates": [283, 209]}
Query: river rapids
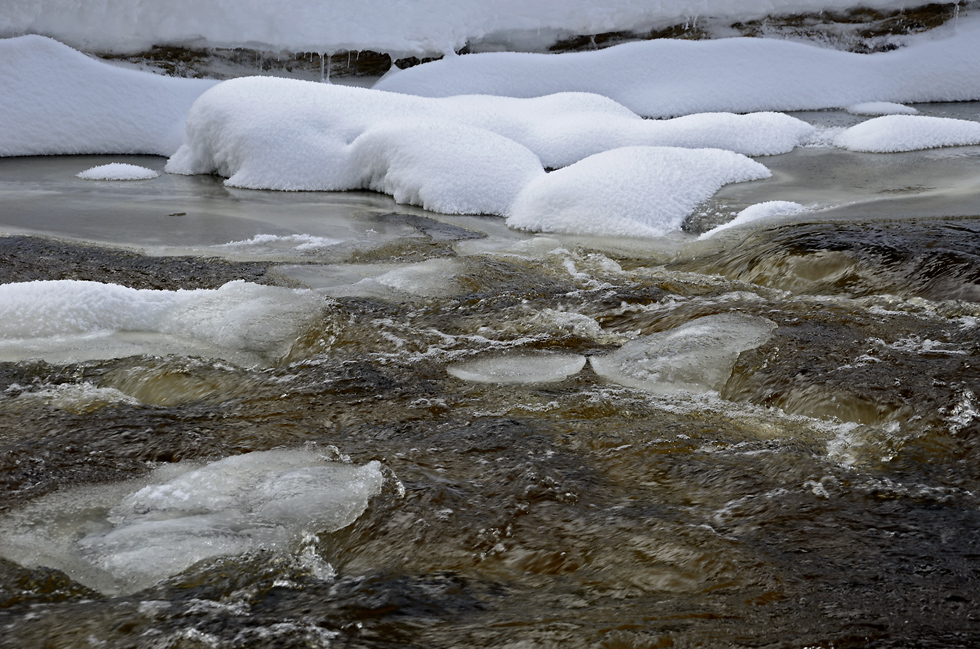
{"type": "Point", "coordinates": [341, 422]}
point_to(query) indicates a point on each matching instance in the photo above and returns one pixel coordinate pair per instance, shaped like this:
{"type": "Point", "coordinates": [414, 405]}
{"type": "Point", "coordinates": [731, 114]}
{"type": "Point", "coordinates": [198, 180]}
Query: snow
{"type": "Point", "coordinates": [118, 171]}
{"type": "Point", "coordinates": [632, 191]}
{"type": "Point", "coordinates": [477, 154]}
{"type": "Point", "coordinates": [67, 320]}
{"type": "Point", "coordinates": [756, 212]}
{"type": "Point", "coordinates": [519, 367]}
{"type": "Point", "coordinates": [58, 101]}
{"type": "Point", "coordinates": [663, 78]}
{"type": "Point", "coordinates": [394, 26]}
{"type": "Point", "coordinates": [893, 133]}
{"type": "Point", "coordinates": [880, 108]}
{"type": "Point", "coordinates": [122, 538]}
{"type": "Point", "coordinates": [695, 357]}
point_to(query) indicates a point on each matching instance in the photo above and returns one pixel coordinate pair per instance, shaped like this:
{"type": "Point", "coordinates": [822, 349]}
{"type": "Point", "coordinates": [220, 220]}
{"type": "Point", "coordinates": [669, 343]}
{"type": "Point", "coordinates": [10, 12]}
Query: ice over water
{"type": "Point", "coordinates": [65, 320]}
{"type": "Point", "coordinates": [122, 538]}
{"type": "Point", "coordinates": [695, 357]}
{"type": "Point", "coordinates": [519, 367]}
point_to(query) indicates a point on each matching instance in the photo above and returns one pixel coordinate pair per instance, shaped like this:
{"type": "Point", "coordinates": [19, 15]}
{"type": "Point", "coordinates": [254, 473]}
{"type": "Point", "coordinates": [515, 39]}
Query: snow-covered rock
{"type": "Point", "coordinates": [632, 191]}
{"type": "Point", "coordinates": [118, 171]}
{"type": "Point", "coordinates": [676, 77]}
{"type": "Point", "coordinates": [880, 108]}
{"type": "Point", "coordinates": [54, 100]}
{"type": "Point", "coordinates": [893, 133]}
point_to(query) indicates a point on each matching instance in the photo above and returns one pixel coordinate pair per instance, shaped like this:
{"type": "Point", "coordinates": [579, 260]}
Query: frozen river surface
{"type": "Point", "coordinates": [237, 418]}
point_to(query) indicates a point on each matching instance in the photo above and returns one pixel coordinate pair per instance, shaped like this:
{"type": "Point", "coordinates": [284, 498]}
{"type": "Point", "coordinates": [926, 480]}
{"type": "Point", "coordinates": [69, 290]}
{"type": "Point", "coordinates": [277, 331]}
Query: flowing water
{"type": "Point", "coordinates": [443, 433]}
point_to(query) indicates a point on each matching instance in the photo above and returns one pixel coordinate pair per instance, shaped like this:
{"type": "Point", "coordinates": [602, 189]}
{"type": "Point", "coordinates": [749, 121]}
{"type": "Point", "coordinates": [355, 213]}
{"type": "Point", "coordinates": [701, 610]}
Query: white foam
{"type": "Point", "coordinates": [70, 320]}
{"type": "Point", "coordinates": [894, 133]}
{"type": "Point", "coordinates": [757, 212]}
{"type": "Point", "coordinates": [695, 357]}
{"type": "Point", "coordinates": [635, 191]}
{"type": "Point", "coordinates": [122, 538]}
{"type": "Point", "coordinates": [519, 367]}
{"type": "Point", "coordinates": [118, 171]}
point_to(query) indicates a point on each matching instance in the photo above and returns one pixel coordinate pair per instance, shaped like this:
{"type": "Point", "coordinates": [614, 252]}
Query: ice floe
{"type": "Point", "coordinates": [663, 78]}
{"type": "Point", "coordinates": [118, 171]}
{"type": "Point", "coordinates": [633, 191]}
{"type": "Point", "coordinates": [59, 101]}
{"type": "Point", "coordinates": [880, 108]}
{"type": "Point", "coordinates": [893, 133]}
{"type": "Point", "coordinates": [69, 320]}
{"type": "Point", "coordinates": [125, 537]}
{"type": "Point", "coordinates": [519, 367]}
{"type": "Point", "coordinates": [759, 211]}
{"type": "Point", "coordinates": [695, 357]}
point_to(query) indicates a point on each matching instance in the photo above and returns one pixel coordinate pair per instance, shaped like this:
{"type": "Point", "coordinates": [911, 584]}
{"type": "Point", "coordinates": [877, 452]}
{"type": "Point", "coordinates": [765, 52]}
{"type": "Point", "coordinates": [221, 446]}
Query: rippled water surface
{"type": "Point", "coordinates": [824, 493]}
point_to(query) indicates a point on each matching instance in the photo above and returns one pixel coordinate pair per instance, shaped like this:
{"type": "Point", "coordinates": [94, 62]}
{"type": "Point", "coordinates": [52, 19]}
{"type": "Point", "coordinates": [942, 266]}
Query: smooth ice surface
{"type": "Point", "coordinates": [880, 108]}
{"type": "Point", "coordinates": [122, 538]}
{"type": "Point", "coordinates": [893, 133]}
{"type": "Point", "coordinates": [663, 78]}
{"type": "Point", "coordinates": [55, 100]}
{"type": "Point", "coordinates": [519, 367]}
{"type": "Point", "coordinates": [633, 191]}
{"type": "Point", "coordinates": [419, 27]}
{"type": "Point", "coordinates": [118, 171]}
{"type": "Point", "coordinates": [756, 212]}
{"type": "Point", "coordinates": [64, 320]}
{"type": "Point", "coordinates": [696, 357]}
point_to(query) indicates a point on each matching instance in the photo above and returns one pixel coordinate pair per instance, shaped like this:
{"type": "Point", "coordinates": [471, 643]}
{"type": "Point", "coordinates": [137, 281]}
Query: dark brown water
{"type": "Point", "coordinates": [827, 496]}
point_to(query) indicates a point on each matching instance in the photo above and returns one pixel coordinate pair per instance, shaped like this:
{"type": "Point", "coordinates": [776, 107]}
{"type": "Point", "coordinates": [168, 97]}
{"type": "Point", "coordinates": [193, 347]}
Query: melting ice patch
{"type": "Point", "coordinates": [757, 212]}
{"type": "Point", "coordinates": [695, 357]}
{"type": "Point", "coordinates": [122, 538]}
{"type": "Point", "coordinates": [519, 367]}
{"type": "Point", "coordinates": [118, 171]}
{"type": "Point", "coordinates": [69, 320]}
{"type": "Point", "coordinates": [893, 133]}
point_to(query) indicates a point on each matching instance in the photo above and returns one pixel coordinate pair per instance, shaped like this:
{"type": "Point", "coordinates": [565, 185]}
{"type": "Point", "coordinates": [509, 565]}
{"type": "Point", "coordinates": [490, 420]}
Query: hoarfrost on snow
{"type": "Point", "coordinates": [118, 171]}
{"type": "Point", "coordinates": [695, 357]}
{"type": "Point", "coordinates": [757, 212]}
{"type": "Point", "coordinates": [121, 538]}
{"type": "Point", "coordinates": [56, 101]}
{"type": "Point", "coordinates": [894, 133]}
{"type": "Point", "coordinates": [663, 78]}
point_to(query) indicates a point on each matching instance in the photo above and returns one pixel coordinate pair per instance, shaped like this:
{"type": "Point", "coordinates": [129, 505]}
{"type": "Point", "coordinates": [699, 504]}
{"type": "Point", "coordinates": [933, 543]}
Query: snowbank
{"type": "Point", "coordinates": [55, 100]}
{"type": "Point", "coordinates": [674, 77]}
{"type": "Point", "coordinates": [123, 542]}
{"type": "Point", "coordinates": [894, 133]}
{"type": "Point", "coordinates": [118, 171]}
{"type": "Point", "coordinates": [632, 192]}
{"type": "Point", "coordinates": [476, 154]}
{"type": "Point", "coordinates": [395, 26]}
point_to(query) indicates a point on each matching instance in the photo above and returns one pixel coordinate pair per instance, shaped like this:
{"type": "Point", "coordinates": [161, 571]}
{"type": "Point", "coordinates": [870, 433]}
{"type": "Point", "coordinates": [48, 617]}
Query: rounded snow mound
{"type": "Point", "coordinates": [118, 171]}
{"type": "Point", "coordinates": [880, 108]}
{"type": "Point", "coordinates": [894, 133]}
